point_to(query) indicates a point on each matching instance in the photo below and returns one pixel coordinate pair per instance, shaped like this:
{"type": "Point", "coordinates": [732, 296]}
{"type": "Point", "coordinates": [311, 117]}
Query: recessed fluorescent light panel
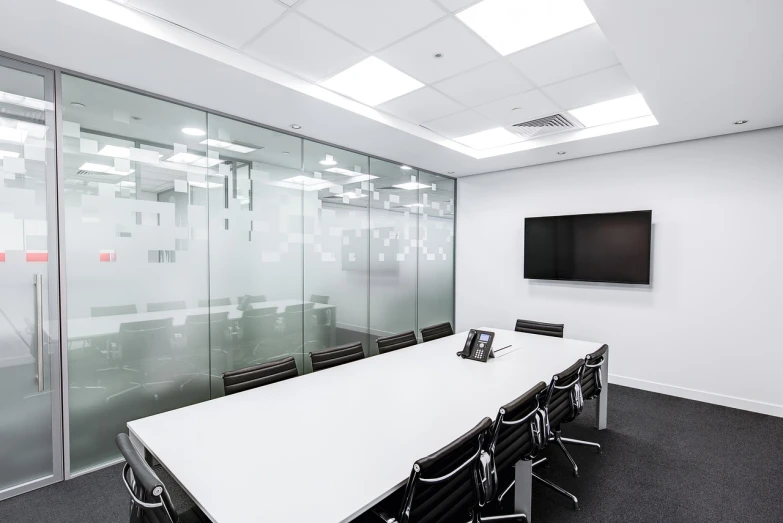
{"type": "Point", "coordinates": [617, 110]}
{"type": "Point", "coordinates": [305, 183]}
{"type": "Point", "coordinates": [115, 151]}
{"type": "Point", "coordinates": [360, 178]}
{"type": "Point", "coordinates": [219, 144]}
{"type": "Point", "coordinates": [512, 25]}
{"type": "Point", "coordinates": [372, 81]}
{"type": "Point", "coordinates": [351, 195]}
{"type": "Point", "coordinates": [184, 158]}
{"type": "Point", "coordinates": [103, 169]}
{"type": "Point", "coordinates": [346, 172]}
{"type": "Point", "coordinates": [192, 131]}
{"type": "Point", "coordinates": [488, 139]}
{"type": "Point", "coordinates": [328, 160]}
{"type": "Point", "coordinates": [411, 186]}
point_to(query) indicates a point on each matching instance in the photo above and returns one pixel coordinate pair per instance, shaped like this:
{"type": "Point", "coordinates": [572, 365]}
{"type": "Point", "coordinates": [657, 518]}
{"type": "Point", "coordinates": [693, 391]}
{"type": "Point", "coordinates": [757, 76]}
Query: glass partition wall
{"type": "Point", "coordinates": [196, 244]}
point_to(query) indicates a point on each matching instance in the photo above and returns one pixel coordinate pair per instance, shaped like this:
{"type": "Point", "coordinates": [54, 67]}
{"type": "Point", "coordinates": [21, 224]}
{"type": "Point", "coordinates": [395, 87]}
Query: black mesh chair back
{"type": "Point", "coordinates": [166, 306]}
{"type": "Point", "coordinates": [142, 343]}
{"type": "Point", "coordinates": [249, 300]}
{"type": "Point", "coordinates": [564, 397]}
{"type": "Point", "coordinates": [337, 356]}
{"type": "Point", "coordinates": [259, 375]}
{"type": "Point", "coordinates": [396, 342]}
{"type": "Point", "coordinates": [445, 486]}
{"type": "Point", "coordinates": [214, 302]}
{"type": "Point", "coordinates": [441, 330]}
{"type": "Point", "coordinates": [257, 324]}
{"type": "Point", "coordinates": [205, 332]}
{"type": "Point", "coordinates": [115, 310]}
{"type": "Point", "coordinates": [518, 431]}
{"type": "Point", "coordinates": [592, 383]}
{"type": "Point", "coordinates": [536, 327]}
{"type": "Point", "coordinates": [150, 502]}
{"type": "Point", "coordinates": [319, 298]}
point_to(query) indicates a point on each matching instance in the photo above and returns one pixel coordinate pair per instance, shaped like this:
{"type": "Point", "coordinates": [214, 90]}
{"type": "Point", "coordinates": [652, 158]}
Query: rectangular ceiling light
{"type": "Point", "coordinates": [220, 144]}
{"type": "Point", "coordinates": [103, 169]}
{"type": "Point", "coordinates": [305, 183]}
{"type": "Point", "coordinates": [411, 186]}
{"type": "Point", "coordinates": [512, 25]}
{"type": "Point", "coordinates": [351, 195]}
{"type": "Point", "coordinates": [372, 82]}
{"type": "Point", "coordinates": [489, 139]}
{"type": "Point", "coordinates": [184, 158]}
{"type": "Point", "coordinates": [115, 151]}
{"type": "Point", "coordinates": [360, 178]}
{"type": "Point", "coordinates": [617, 110]}
{"type": "Point", "coordinates": [206, 162]}
{"type": "Point", "coordinates": [355, 174]}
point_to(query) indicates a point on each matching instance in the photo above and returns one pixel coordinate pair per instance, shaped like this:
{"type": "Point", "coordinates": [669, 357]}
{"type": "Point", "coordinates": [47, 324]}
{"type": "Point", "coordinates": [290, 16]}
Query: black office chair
{"type": "Point", "coordinates": [441, 330]}
{"type": "Point", "coordinates": [257, 327]}
{"type": "Point", "coordinates": [591, 384]}
{"type": "Point", "coordinates": [563, 403]}
{"type": "Point", "coordinates": [145, 353]}
{"type": "Point", "coordinates": [166, 306]}
{"type": "Point", "coordinates": [115, 310]}
{"type": "Point", "coordinates": [451, 484]}
{"type": "Point", "coordinates": [536, 327]}
{"type": "Point", "coordinates": [249, 300]}
{"type": "Point", "coordinates": [518, 433]}
{"type": "Point", "coordinates": [149, 500]}
{"type": "Point", "coordinates": [214, 302]}
{"type": "Point", "coordinates": [337, 356]}
{"type": "Point", "coordinates": [319, 298]}
{"type": "Point", "coordinates": [259, 375]}
{"type": "Point", "coordinates": [396, 342]}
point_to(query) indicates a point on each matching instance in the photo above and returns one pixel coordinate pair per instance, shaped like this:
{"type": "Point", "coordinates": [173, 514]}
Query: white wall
{"type": "Point", "coordinates": [708, 328]}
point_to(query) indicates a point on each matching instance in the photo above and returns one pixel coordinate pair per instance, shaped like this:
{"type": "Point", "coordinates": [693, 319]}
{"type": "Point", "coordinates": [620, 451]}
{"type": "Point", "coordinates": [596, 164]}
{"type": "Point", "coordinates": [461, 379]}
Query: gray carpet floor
{"type": "Point", "coordinates": [665, 459]}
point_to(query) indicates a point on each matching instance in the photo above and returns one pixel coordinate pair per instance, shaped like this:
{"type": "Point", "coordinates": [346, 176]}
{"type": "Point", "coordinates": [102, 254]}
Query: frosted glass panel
{"type": "Point", "coordinates": [336, 232]}
{"type": "Point", "coordinates": [436, 255]}
{"type": "Point", "coordinates": [27, 250]}
{"type": "Point", "coordinates": [255, 245]}
{"type": "Point", "coordinates": [394, 245]}
{"type": "Point", "coordinates": [136, 261]}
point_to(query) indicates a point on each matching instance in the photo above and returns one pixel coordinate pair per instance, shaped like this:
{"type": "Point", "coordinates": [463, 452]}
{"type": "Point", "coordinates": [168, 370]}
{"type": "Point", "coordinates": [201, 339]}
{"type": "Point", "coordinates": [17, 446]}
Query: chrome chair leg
{"type": "Point", "coordinates": [513, 482]}
{"type": "Point", "coordinates": [570, 441]}
{"type": "Point", "coordinates": [558, 490]}
{"type": "Point", "coordinates": [560, 443]}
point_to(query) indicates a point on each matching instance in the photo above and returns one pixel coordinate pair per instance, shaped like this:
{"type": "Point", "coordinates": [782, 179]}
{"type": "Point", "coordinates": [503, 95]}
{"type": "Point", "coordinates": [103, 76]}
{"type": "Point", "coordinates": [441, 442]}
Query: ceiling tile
{"type": "Point", "coordinates": [460, 124]}
{"type": "Point", "coordinates": [372, 24]}
{"type": "Point", "coordinates": [573, 54]}
{"type": "Point", "coordinates": [518, 108]}
{"type": "Point", "coordinates": [484, 84]}
{"type": "Point", "coordinates": [591, 88]}
{"type": "Point", "coordinates": [456, 5]}
{"type": "Point", "coordinates": [232, 22]}
{"type": "Point", "coordinates": [421, 105]}
{"type": "Point", "coordinates": [304, 48]}
{"type": "Point", "coordinates": [461, 48]}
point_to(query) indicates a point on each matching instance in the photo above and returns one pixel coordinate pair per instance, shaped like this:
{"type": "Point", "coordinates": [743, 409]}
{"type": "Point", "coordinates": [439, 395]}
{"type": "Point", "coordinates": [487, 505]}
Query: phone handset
{"type": "Point", "coordinates": [465, 353]}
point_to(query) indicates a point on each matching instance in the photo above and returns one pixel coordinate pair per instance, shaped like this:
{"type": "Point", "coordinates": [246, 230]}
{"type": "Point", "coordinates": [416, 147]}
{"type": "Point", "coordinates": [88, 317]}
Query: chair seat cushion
{"type": "Point", "coordinates": [193, 515]}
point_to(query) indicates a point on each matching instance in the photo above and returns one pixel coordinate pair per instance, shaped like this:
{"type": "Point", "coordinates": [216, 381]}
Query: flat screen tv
{"type": "Point", "coordinates": [612, 247]}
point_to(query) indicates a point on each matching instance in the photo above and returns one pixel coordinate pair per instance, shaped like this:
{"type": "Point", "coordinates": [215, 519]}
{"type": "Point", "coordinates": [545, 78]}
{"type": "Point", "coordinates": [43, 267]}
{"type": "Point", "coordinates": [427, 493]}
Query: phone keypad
{"type": "Point", "coordinates": [480, 353]}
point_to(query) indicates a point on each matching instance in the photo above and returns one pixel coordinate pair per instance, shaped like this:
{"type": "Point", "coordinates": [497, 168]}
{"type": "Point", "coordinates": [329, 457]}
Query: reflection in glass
{"type": "Point", "coordinates": [136, 230]}
{"type": "Point", "coordinates": [255, 244]}
{"type": "Point", "coordinates": [336, 227]}
{"type": "Point", "coordinates": [393, 249]}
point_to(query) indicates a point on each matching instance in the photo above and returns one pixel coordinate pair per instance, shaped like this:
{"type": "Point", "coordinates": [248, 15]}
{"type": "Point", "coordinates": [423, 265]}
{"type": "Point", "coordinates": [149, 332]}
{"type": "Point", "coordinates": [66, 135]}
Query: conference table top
{"type": "Point", "coordinates": [329, 445]}
{"type": "Point", "coordinates": [81, 328]}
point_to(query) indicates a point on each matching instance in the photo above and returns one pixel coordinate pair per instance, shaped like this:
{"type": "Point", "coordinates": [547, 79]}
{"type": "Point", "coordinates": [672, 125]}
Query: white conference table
{"type": "Point", "coordinates": [85, 328]}
{"type": "Point", "coordinates": [327, 446]}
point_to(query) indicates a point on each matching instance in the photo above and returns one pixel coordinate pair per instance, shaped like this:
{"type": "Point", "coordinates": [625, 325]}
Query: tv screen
{"type": "Point", "coordinates": [612, 247]}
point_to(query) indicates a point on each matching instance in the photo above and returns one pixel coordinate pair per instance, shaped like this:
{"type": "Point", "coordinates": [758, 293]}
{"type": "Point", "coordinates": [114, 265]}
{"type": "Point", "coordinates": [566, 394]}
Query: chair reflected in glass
{"type": "Point", "coordinates": [257, 337]}
{"type": "Point", "coordinates": [206, 340]}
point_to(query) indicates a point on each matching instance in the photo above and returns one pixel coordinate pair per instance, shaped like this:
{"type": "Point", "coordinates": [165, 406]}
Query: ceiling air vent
{"type": "Point", "coordinates": [554, 124]}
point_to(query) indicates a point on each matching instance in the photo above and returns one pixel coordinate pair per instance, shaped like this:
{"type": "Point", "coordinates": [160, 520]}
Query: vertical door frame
{"type": "Point", "coordinates": [55, 270]}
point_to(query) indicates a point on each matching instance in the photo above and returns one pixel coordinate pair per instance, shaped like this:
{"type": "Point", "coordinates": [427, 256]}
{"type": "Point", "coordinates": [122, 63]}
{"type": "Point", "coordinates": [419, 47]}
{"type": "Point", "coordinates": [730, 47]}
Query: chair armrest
{"type": "Point", "coordinates": [382, 515]}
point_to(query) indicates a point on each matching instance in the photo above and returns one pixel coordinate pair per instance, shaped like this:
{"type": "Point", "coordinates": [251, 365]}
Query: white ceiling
{"type": "Point", "coordinates": [697, 73]}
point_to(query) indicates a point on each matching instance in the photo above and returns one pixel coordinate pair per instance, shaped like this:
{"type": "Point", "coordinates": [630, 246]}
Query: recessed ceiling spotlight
{"type": "Point", "coordinates": [406, 167]}
{"type": "Point", "coordinates": [372, 82]}
{"type": "Point", "coordinates": [438, 55]}
{"type": "Point", "coordinates": [136, 118]}
{"type": "Point", "coordinates": [192, 131]}
{"type": "Point", "coordinates": [512, 25]}
{"type": "Point", "coordinates": [78, 105]}
{"type": "Point", "coordinates": [740, 122]}
{"type": "Point", "coordinates": [516, 108]}
{"type": "Point", "coordinates": [451, 172]}
{"type": "Point", "coordinates": [561, 153]}
{"type": "Point", "coordinates": [286, 153]}
{"type": "Point", "coordinates": [295, 126]}
{"type": "Point", "coordinates": [328, 160]}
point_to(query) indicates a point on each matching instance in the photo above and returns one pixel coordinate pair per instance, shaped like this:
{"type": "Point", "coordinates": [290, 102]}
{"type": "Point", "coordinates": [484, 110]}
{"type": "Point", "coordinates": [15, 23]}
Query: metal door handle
{"type": "Point", "coordinates": [38, 278]}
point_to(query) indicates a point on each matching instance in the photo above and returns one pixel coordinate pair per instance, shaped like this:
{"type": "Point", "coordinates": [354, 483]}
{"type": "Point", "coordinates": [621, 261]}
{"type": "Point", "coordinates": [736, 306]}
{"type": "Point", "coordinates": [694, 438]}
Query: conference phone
{"type": "Point", "coordinates": [478, 346]}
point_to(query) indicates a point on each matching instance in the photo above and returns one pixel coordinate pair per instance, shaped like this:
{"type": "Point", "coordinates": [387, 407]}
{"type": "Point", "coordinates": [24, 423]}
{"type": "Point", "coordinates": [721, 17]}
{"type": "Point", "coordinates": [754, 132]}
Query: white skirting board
{"type": "Point", "coordinates": [699, 395]}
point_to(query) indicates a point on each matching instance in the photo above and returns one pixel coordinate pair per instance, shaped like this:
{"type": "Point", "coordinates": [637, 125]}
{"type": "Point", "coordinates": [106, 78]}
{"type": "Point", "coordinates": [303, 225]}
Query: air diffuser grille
{"type": "Point", "coordinates": [553, 124]}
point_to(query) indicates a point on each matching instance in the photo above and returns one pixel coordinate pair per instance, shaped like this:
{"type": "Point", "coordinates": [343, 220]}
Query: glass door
{"type": "Point", "coordinates": [30, 406]}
